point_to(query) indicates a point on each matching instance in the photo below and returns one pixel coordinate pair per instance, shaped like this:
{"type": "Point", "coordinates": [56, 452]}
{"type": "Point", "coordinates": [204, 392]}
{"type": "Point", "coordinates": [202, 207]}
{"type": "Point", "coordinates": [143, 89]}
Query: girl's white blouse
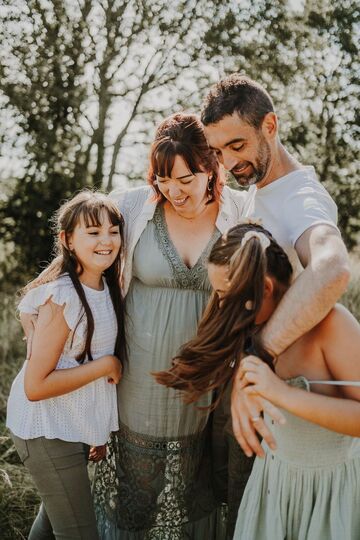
{"type": "Point", "coordinates": [85, 415]}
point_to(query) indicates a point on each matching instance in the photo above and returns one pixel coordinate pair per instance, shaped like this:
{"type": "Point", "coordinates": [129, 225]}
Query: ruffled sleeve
{"type": "Point", "coordinates": [61, 292]}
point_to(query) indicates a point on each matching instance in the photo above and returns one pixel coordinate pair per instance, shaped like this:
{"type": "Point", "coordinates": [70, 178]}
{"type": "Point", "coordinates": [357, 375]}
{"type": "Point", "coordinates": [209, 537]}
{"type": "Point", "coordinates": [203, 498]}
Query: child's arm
{"type": "Point", "coordinates": [337, 414]}
{"type": "Point", "coordinates": [339, 338]}
{"type": "Point", "coordinates": [42, 380]}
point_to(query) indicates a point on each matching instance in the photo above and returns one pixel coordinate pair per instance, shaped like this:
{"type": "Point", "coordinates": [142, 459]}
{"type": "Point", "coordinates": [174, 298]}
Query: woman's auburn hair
{"type": "Point", "coordinates": [89, 206]}
{"type": "Point", "coordinates": [209, 361]}
{"type": "Point", "coordinates": [183, 135]}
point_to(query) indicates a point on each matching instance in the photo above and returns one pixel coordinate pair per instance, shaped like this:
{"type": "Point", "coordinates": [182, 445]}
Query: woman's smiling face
{"type": "Point", "coordinates": [185, 191]}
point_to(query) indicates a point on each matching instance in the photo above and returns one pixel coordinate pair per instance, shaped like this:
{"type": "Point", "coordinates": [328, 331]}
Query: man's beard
{"type": "Point", "coordinates": [259, 168]}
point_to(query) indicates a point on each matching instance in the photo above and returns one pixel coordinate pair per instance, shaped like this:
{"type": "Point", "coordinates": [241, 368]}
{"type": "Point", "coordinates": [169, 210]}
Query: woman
{"type": "Point", "coordinates": [155, 482]}
{"type": "Point", "coordinates": [308, 487]}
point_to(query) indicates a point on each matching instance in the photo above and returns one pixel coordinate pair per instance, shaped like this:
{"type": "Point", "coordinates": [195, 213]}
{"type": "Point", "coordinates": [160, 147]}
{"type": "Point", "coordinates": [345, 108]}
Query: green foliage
{"type": "Point", "coordinates": [351, 299]}
{"type": "Point", "coordinates": [83, 84]}
{"type": "Point", "coordinates": [44, 96]}
{"type": "Point", "coordinates": [308, 59]}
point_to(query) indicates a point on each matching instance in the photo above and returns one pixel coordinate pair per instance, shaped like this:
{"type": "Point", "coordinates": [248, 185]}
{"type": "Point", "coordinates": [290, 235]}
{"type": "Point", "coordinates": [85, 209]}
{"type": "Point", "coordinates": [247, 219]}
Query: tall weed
{"type": "Point", "coordinates": [351, 299]}
{"type": "Point", "coordinates": [18, 497]}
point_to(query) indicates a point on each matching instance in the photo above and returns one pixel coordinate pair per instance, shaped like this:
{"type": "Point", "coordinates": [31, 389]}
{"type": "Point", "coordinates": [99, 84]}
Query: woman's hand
{"type": "Point", "coordinates": [28, 323]}
{"type": "Point", "coordinates": [97, 453]}
{"type": "Point", "coordinates": [259, 379]}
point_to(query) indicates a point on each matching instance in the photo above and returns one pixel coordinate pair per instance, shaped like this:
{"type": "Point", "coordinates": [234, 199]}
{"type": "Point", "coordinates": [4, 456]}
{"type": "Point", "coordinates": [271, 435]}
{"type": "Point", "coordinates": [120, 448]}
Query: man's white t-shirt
{"type": "Point", "coordinates": [289, 206]}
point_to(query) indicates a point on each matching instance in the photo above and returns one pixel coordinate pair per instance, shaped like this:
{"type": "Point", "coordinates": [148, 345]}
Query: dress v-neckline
{"type": "Point", "coordinates": [176, 251]}
{"type": "Point", "coordinates": [185, 276]}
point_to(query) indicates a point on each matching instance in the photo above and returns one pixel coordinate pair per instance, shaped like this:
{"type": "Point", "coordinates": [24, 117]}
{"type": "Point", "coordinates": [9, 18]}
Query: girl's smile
{"type": "Point", "coordinates": [95, 247]}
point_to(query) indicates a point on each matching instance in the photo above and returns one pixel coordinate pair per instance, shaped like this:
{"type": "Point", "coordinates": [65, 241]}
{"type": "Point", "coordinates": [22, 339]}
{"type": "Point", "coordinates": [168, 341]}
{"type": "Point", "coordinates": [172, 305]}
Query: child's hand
{"type": "Point", "coordinates": [115, 370]}
{"type": "Point", "coordinates": [260, 379]}
{"type": "Point", "coordinates": [97, 453]}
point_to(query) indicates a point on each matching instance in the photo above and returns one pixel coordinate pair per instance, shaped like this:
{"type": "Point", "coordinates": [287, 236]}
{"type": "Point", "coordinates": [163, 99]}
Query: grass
{"type": "Point", "coordinates": [351, 299]}
{"type": "Point", "coordinates": [18, 497]}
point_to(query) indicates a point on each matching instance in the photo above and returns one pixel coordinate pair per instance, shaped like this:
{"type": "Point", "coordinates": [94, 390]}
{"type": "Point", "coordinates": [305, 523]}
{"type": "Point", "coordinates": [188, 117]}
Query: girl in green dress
{"type": "Point", "coordinates": [309, 486]}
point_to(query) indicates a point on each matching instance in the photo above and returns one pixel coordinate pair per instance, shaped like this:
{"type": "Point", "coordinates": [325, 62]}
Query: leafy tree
{"type": "Point", "coordinates": [76, 78]}
{"type": "Point", "coordinates": [308, 58]}
{"type": "Point", "coordinates": [84, 82]}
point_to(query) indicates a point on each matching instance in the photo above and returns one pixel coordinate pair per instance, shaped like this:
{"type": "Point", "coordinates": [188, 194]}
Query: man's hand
{"type": "Point", "coordinates": [247, 421]}
{"type": "Point", "coordinates": [28, 322]}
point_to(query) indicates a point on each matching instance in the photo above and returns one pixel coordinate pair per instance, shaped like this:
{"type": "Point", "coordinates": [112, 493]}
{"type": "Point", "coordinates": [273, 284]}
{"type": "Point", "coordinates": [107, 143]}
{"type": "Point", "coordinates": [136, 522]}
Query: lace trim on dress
{"type": "Point", "coordinates": [185, 277]}
{"type": "Point", "coordinates": [149, 484]}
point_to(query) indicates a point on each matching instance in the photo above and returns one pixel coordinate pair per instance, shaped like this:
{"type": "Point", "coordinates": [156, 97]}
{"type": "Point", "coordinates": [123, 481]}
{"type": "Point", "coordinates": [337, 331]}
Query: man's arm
{"type": "Point", "coordinates": [309, 299]}
{"type": "Point", "coordinates": [315, 291]}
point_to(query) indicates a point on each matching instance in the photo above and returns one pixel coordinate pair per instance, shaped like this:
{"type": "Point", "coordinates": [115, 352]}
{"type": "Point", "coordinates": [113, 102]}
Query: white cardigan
{"type": "Point", "coordinates": [137, 206]}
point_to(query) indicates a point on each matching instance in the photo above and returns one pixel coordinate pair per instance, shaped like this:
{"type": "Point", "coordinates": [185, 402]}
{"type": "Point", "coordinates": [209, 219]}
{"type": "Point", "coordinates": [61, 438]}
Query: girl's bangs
{"type": "Point", "coordinates": [93, 213]}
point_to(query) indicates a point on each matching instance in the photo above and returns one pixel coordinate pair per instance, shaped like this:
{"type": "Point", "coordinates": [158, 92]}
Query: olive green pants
{"type": "Point", "coordinates": [59, 471]}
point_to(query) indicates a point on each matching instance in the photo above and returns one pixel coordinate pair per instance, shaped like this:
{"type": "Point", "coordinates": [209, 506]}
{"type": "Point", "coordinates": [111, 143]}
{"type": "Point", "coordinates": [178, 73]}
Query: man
{"type": "Point", "coordinates": [242, 127]}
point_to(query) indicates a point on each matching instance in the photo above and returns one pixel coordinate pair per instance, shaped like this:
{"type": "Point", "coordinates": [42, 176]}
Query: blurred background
{"type": "Point", "coordinates": [83, 83]}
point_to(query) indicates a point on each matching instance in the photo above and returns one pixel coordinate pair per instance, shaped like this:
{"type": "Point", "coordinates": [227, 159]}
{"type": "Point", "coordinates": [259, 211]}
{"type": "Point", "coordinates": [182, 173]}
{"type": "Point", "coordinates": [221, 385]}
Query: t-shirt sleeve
{"type": "Point", "coordinates": [309, 205]}
{"type": "Point", "coordinates": [60, 292]}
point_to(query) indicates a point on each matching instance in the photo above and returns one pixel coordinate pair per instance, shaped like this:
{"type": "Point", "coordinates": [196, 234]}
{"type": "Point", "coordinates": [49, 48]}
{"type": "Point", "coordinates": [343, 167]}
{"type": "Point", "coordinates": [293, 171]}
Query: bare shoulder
{"type": "Point", "coordinates": [338, 323]}
{"type": "Point", "coordinates": [338, 315]}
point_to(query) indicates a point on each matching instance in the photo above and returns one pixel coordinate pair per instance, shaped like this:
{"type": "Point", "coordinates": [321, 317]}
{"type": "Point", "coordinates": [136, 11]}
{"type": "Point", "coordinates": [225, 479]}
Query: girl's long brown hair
{"type": "Point", "coordinates": [89, 206]}
{"type": "Point", "coordinates": [209, 360]}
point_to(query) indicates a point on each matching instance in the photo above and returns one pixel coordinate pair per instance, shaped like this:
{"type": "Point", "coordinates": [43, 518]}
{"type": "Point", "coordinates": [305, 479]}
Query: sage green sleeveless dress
{"type": "Point", "coordinates": [308, 489]}
{"type": "Point", "coordinates": [156, 481]}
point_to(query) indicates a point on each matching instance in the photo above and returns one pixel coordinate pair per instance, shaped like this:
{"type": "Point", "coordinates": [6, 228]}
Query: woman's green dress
{"type": "Point", "coordinates": [156, 481]}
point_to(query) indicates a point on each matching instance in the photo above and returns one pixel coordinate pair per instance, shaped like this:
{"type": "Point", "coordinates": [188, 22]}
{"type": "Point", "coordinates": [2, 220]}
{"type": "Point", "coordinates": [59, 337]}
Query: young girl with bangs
{"type": "Point", "coordinates": [63, 401]}
{"type": "Point", "coordinates": [309, 485]}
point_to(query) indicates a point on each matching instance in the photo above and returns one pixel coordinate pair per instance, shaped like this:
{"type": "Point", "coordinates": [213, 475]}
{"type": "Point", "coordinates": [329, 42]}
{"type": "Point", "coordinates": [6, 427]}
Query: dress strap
{"type": "Point", "coordinates": [337, 383]}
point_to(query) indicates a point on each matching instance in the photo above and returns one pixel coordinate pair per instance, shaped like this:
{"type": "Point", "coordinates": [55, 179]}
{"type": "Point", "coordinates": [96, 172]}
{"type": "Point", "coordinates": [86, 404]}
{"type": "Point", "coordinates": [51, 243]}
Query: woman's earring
{"type": "Point", "coordinates": [249, 305]}
{"type": "Point", "coordinates": [210, 188]}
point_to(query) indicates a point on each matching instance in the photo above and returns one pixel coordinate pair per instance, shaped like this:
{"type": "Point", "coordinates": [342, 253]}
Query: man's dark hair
{"type": "Point", "coordinates": [236, 93]}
